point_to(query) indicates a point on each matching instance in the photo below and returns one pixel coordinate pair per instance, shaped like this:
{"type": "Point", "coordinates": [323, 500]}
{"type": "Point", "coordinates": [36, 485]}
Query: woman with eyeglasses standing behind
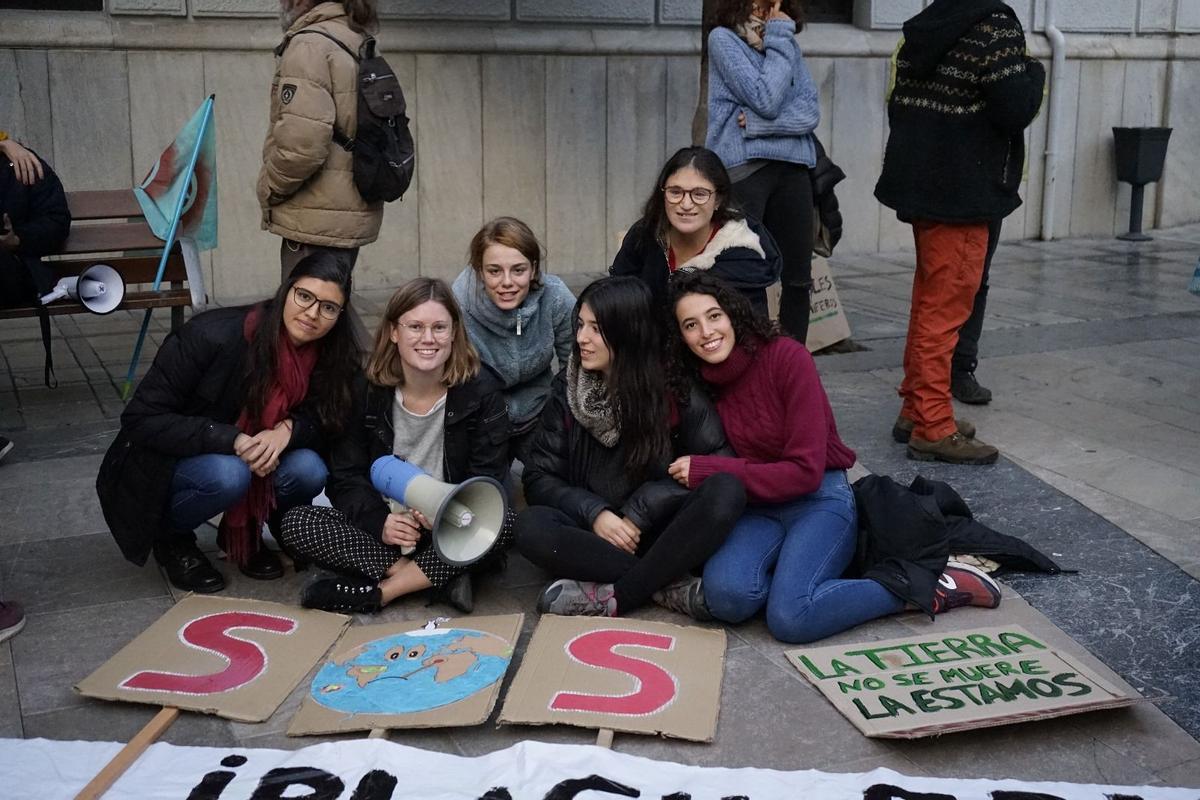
{"type": "Point", "coordinates": [762, 109]}
{"type": "Point", "coordinates": [689, 224]}
{"type": "Point", "coordinates": [230, 418]}
{"type": "Point", "coordinates": [427, 399]}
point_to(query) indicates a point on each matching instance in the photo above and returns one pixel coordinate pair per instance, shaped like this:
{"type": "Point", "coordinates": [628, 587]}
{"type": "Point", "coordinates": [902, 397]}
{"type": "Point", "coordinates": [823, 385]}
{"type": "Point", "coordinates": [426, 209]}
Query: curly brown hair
{"type": "Point", "coordinates": [749, 329]}
{"type": "Point", "coordinates": [731, 13]}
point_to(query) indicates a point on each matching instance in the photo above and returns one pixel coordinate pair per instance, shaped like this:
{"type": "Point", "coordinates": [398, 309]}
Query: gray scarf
{"type": "Point", "coordinates": [587, 397]}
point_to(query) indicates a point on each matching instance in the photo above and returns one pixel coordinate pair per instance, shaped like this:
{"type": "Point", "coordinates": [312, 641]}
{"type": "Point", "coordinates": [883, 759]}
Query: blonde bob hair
{"type": "Point", "coordinates": [384, 367]}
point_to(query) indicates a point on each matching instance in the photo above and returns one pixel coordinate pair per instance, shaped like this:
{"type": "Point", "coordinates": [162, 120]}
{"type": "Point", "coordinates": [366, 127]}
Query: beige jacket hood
{"type": "Point", "coordinates": [306, 184]}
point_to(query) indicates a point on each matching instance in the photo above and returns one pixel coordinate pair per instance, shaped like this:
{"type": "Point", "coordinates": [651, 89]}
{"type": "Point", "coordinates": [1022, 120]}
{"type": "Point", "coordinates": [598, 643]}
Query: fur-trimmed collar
{"type": "Point", "coordinates": [733, 234]}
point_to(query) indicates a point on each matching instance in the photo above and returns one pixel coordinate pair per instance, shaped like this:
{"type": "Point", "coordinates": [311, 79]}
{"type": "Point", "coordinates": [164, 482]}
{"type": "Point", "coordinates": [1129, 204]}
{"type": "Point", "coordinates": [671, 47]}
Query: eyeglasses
{"type": "Point", "coordinates": [305, 299]}
{"type": "Point", "coordinates": [699, 195]}
{"type": "Point", "coordinates": [415, 330]}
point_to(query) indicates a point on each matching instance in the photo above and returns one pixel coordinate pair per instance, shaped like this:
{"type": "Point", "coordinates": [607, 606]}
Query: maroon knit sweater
{"type": "Point", "coordinates": [778, 420]}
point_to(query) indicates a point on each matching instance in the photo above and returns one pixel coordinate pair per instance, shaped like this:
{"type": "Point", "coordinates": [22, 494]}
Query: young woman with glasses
{"type": "Point", "coordinates": [762, 109]}
{"type": "Point", "coordinates": [690, 224]}
{"type": "Point", "coordinates": [518, 318]}
{"type": "Point", "coordinates": [427, 399]}
{"type": "Point", "coordinates": [604, 514]}
{"type": "Point", "coordinates": [230, 418]}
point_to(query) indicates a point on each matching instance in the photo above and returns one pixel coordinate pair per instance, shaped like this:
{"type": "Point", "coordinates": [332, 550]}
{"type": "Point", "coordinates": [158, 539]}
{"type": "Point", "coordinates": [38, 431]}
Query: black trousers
{"type": "Point", "coordinates": [551, 539]}
{"type": "Point", "coordinates": [966, 352]}
{"type": "Point", "coordinates": [780, 195]}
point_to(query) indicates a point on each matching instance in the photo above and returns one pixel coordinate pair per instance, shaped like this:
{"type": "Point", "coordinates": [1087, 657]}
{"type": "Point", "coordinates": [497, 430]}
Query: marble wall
{"type": "Point", "coordinates": [571, 142]}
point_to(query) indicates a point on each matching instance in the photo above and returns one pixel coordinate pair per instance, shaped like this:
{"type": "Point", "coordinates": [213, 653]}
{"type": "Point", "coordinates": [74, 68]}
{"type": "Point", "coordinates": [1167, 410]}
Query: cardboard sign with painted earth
{"type": "Point", "coordinates": [401, 676]}
{"type": "Point", "coordinates": [621, 674]}
{"type": "Point", "coordinates": [237, 659]}
{"type": "Point", "coordinates": [954, 681]}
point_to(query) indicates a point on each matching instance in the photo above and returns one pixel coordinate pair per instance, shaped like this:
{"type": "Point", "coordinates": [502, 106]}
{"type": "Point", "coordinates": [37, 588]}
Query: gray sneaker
{"type": "Point", "coordinates": [578, 599]}
{"type": "Point", "coordinates": [685, 596]}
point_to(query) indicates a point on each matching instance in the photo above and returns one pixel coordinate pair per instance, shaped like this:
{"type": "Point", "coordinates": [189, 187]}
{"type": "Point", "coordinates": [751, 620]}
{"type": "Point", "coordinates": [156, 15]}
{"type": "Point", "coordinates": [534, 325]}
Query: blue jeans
{"type": "Point", "coordinates": [789, 557]}
{"type": "Point", "coordinates": [207, 485]}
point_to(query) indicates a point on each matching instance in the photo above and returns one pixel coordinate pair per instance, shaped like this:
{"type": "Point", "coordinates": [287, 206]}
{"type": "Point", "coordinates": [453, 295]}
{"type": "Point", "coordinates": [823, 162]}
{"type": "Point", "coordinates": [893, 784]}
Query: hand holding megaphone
{"type": "Point", "coordinates": [465, 518]}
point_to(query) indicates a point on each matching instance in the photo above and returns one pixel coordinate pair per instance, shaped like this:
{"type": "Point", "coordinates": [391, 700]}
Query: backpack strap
{"type": "Point", "coordinates": [342, 140]}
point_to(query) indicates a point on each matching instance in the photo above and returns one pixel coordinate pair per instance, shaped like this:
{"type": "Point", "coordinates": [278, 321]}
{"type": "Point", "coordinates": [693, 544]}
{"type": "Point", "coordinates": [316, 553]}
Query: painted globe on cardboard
{"type": "Point", "coordinates": [411, 672]}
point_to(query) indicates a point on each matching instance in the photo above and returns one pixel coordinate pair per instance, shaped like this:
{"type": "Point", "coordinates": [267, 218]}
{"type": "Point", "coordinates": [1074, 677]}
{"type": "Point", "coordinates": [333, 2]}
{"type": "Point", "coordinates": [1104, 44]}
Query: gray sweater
{"type": "Point", "coordinates": [520, 344]}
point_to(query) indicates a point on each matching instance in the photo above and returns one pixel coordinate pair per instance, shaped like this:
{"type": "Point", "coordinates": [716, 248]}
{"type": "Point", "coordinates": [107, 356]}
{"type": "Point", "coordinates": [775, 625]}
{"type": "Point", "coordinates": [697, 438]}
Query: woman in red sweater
{"type": "Point", "coordinates": [788, 551]}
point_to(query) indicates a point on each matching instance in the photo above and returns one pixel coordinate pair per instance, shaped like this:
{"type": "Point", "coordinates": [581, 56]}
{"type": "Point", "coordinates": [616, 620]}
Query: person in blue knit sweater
{"type": "Point", "coordinates": [762, 110]}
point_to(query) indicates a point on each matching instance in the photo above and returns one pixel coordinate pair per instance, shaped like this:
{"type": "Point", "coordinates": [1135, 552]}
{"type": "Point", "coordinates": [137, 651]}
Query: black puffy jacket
{"type": "Point", "coordinates": [40, 217]}
{"type": "Point", "coordinates": [570, 470]}
{"type": "Point", "coordinates": [475, 442]}
{"type": "Point", "coordinates": [187, 405]}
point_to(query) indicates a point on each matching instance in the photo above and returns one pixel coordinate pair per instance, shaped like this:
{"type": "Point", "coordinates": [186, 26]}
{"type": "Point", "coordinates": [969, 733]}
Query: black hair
{"type": "Point", "coordinates": [708, 164]}
{"type": "Point", "coordinates": [636, 384]}
{"type": "Point", "coordinates": [339, 357]}
{"type": "Point", "coordinates": [750, 330]}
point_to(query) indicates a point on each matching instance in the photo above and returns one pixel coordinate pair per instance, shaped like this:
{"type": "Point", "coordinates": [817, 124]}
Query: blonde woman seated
{"type": "Point", "coordinates": [426, 398]}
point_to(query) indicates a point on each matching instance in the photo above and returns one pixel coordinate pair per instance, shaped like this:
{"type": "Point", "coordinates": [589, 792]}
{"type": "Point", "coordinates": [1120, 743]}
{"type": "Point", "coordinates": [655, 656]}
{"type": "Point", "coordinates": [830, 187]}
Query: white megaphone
{"type": "Point", "coordinates": [100, 289]}
{"type": "Point", "coordinates": [466, 518]}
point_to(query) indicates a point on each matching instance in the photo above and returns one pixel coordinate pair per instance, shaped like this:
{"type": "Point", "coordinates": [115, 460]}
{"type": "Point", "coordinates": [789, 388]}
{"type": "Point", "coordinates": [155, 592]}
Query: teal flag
{"type": "Point", "coordinates": [159, 192]}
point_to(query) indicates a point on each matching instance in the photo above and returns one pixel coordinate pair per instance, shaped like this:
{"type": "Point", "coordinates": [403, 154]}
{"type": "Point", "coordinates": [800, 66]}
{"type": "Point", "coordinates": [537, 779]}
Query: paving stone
{"type": "Point", "coordinates": [58, 649]}
{"type": "Point", "coordinates": [10, 706]}
{"type": "Point", "coordinates": [120, 722]}
{"type": "Point", "coordinates": [33, 571]}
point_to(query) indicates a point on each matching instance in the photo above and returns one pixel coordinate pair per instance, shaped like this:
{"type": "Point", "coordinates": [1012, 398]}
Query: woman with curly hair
{"type": "Point", "coordinates": [762, 109]}
{"type": "Point", "coordinates": [789, 550]}
{"type": "Point", "coordinates": [603, 513]}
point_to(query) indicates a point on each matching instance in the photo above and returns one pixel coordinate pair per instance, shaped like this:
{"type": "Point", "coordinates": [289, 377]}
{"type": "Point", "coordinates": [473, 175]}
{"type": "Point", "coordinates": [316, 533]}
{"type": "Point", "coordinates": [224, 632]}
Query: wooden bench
{"type": "Point", "coordinates": [108, 227]}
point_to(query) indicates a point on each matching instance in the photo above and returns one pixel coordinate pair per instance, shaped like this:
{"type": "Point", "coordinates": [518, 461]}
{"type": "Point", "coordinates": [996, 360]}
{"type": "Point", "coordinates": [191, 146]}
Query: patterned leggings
{"type": "Point", "coordinates": [327, 538]}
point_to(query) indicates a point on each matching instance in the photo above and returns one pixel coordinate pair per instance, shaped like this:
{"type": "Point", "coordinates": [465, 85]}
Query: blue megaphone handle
{"type": "Point", "coordinates": [391, 475]}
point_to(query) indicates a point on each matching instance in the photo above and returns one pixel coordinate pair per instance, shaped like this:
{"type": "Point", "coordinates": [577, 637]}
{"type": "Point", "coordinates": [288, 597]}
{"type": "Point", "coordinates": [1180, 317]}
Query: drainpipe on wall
{"type": "Point", "coordinates": [1058, 59]}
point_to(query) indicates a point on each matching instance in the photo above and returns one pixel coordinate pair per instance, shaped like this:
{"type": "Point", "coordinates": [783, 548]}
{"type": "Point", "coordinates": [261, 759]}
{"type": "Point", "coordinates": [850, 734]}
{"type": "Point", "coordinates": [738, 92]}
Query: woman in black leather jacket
{"type": "Point", "coordinates": [604, 514]}
{"type": "Point", "coordinates": [426, 398]}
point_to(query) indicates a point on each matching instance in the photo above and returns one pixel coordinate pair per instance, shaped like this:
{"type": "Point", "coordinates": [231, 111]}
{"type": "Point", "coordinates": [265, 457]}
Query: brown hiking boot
{"type": "Point", "coordinates": [954, 449]}
{"type": "Point", "coordinates": [902, 430]}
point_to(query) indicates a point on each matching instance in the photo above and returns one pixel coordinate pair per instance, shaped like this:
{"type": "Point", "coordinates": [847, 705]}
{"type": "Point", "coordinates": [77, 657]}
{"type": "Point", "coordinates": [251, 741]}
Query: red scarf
{"type": "Point", "coordinates": [240, 533]}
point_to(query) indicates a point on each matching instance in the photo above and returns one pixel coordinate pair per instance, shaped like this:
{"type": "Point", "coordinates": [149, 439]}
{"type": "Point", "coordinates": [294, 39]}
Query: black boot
{"type": "Point", "coordinates": [458, 593]}
{"type": "Point", "coordinates": [187, 568]}
{"type": "Point", "coordinates": [967, 390]}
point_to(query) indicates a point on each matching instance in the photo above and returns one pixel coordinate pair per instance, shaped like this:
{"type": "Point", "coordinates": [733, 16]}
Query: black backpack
{"type": "Point", "coordinates": [384, 155]}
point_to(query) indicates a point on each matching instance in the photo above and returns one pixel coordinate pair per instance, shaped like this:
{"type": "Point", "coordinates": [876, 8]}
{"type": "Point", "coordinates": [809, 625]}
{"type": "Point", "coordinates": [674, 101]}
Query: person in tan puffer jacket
{"type": "Point", "coordinates": [306, 184]}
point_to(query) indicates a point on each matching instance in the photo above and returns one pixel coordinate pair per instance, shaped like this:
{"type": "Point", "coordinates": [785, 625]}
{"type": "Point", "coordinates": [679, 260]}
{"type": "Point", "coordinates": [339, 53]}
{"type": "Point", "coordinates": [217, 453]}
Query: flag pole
{"type": "Point", "coordinates": [170, 242]}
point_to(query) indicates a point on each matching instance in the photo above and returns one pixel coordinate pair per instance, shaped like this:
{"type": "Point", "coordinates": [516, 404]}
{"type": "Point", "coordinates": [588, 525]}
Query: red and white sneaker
{"type": "Point", "coordinates": [578, 598]}
{"type": "Point", "coordinates": [964, 585]}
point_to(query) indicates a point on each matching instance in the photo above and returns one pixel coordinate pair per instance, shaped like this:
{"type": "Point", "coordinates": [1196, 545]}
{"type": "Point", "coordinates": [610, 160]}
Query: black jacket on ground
{"type": "Point", "coordinates": [739, 266]}
{"type": "Point", "coordinates": [907, 533]}
{"type": "Point", "coordinates": [965, 90]}
{"type": "Point", "coordinates": [41, 219]}
{"type": "Point", "coordinates": [570, 470]}
{"type": "Point", "coordinates": [475, 444]}
{"type": "Point", "coordinates": [187, 405]}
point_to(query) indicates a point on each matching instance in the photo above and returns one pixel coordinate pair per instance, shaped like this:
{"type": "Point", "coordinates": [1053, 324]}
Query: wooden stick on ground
{"type": "Point", "coordinates": [130, 753]}
{"type": "Point", "coordinates": [604, 738]}
{"type": "Point", "coordinates": [378, 733]}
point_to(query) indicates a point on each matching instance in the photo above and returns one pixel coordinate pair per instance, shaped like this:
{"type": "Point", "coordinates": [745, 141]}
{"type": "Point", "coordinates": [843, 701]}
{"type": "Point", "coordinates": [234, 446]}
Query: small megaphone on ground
{"type": "Point", "coordinates": [466, 517]}
{"type": "Point", "coordinates": [99, 288]}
